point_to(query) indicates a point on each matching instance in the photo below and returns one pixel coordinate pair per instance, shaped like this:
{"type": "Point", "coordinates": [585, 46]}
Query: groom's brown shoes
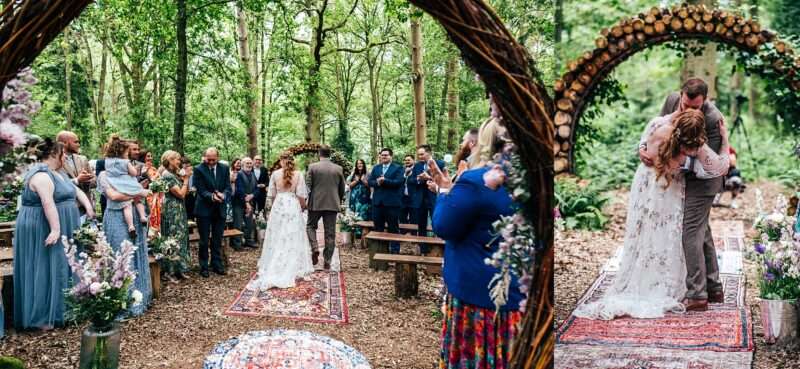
{"type": "Point", "coordinates": [695, 305]}
{"type": "Point", "coordinates": [716, 297]}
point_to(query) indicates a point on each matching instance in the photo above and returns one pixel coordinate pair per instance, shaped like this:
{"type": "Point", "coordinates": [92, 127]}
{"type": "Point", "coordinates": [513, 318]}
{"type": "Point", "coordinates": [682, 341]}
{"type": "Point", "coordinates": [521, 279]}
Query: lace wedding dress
{"type": "Point", "coordinates": [651, 280]}
{"type": "Point", "coordinates": [286, 254]}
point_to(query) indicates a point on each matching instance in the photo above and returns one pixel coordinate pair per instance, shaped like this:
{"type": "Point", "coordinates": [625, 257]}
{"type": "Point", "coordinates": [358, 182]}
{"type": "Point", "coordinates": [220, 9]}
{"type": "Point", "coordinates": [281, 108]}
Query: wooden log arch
{"type": "Point", "coordinates": [313, 148]}
{"type": "Point", "coordinates": [27, 26]}
{"type": "Point", "coordinates": [631, 35]}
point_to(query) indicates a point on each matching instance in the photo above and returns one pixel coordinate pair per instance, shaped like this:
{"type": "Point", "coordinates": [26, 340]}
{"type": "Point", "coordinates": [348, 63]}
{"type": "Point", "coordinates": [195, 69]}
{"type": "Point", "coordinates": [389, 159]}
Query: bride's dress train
{"type": "Point", "coordinates": [651, 280]}
{"type": "Point", "coordinates": [286, 254]}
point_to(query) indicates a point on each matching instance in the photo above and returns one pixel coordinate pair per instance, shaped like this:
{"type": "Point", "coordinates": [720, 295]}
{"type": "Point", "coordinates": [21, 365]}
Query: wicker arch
{"type": "Point", "coordinates": [313, 148]}
{"type": "Point", "coordinates": [655, 27]}
{"type": "Point", "coordinates": [27, 26]}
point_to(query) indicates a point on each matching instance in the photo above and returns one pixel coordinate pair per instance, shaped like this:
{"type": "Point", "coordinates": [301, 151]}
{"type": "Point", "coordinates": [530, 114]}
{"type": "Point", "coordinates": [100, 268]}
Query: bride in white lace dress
{"type": "Point", "coordinates": [651, 280]}
{"type": "Point", "coordinates": [286, 254]}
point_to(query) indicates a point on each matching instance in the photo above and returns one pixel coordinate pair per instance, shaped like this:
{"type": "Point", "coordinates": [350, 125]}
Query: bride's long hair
{"type": "Point", "coordinates": [288, 168]}
{"type": "Point", "coordinates": [689, 133]}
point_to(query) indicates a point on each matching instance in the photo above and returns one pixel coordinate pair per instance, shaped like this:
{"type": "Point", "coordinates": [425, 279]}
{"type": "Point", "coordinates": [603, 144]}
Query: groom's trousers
{"type": "Point", "coordinates": [702, 271]}
{"type": "Point", "coordinates": [329, 226]}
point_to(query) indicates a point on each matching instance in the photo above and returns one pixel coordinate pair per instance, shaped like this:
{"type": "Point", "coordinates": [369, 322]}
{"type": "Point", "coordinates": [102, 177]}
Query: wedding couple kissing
{"type": "Point", "coordinates": [668, 261]}
{"type": "Point", "coordinates": [290, 248]}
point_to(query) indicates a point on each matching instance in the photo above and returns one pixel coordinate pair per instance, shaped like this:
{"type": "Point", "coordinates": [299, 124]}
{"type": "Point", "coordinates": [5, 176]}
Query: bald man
{"type": "Point", "coordinates": [212, 180]}
{"type": "Point", "coordinates": [76, 166]}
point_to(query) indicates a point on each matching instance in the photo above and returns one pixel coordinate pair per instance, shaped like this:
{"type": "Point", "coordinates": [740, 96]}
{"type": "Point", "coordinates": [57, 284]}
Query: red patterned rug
{"type": "Point", "coordinates": [713, 330]}
{"type": "Point", "coordinates": [720, 338]}
{"type": "Point", "coordinates": [320, 299]}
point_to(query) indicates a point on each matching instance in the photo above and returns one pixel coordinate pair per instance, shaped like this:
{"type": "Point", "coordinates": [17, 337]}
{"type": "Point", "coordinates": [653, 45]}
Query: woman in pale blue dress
{"type": "Point", "coordinates": [48, 211]}
{"type": "Point", "coordinates": [121, 176]}
{"type": "Point", "coordinates": [116, 231]}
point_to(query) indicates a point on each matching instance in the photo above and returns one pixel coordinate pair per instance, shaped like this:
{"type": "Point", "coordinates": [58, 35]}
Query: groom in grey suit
{"type": "Point", "coordinates": [702, 279]}
{"type": "Point", "coordinates": [325, 182]}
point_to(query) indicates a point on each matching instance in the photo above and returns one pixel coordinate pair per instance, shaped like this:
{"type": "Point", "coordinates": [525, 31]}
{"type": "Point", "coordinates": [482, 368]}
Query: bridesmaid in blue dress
{"type": "Point", "coordinates": [48, 211]}
{"type": "Point", "coordinates": [116, 231]}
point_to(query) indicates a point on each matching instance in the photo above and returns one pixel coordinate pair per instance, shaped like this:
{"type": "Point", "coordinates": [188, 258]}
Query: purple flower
{"type": "Point", "coordinates": [760, 248]}
{"type": "Point", "coordinates": [769, 276]}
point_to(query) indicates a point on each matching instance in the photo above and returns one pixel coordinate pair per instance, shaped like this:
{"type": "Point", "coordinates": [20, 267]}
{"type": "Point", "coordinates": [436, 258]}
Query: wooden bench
{"type": "Point", "coordinates": [406, 280]}
{"type": "Point", "coordinates": [368, 225]}
{"type": "Point", "coordinates": [7, 291]}
{"type": "Point", "coordinates": [226, 240]}
{"type": "Point", "coordinates": [378, 243]}
{"type": "Point", "coordinates": [155, 275]}
{"type": "Point", "coordinates": [6, 236]}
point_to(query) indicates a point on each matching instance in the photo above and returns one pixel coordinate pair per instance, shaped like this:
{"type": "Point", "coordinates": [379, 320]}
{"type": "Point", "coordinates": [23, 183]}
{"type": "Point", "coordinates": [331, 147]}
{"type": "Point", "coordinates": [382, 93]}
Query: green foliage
{"type": "Point", "coordinates": [8, 362]}
{"type": "Point", "coordinates": [580, 206]}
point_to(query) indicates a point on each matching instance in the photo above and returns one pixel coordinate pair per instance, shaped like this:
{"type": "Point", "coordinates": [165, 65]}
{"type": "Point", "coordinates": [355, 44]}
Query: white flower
{"type": "Point", "coordinates": [137, 297]}
{"type": "Point", "coordinates": [776, 217]}
{"type": "Point", "coordinates": [105, 286]}
{"type": "Point", "coordinates": [94, 288]}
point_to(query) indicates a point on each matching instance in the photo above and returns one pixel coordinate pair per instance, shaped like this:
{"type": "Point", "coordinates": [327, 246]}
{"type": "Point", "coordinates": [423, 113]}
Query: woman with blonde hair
{"type": "Point", "coordinates": [173, 211]}
{"type": "Point", "coordinates": [652, 275]}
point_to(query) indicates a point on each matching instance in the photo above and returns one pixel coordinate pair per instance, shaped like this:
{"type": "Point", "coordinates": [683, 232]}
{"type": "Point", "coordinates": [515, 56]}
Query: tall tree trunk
{"type": "Point", "coordinates": [418, 78]}
{"type": "Point", "coordinates": [312, 92]}
{"type": "Point", "coordinates": [704, 65]}
{"type": "Point", "coordinates": [252, 86]}
{"type": "Point", "coordinates": [558, 27]}
{"type": "Point", "coordinates": [65, 46]}
{"type": "Point", "coordinates": [452, 103]}
{"type": "Point", "coordinates": [157, 93]}
{"type": "Point", "coordinates": [441, 120]}
{"type": "Point", "coordinates": [752, 102]}
{"type": "Point", "coordinates": [736, 86]}
{"type": "Point", "coordinates": [180, 79]}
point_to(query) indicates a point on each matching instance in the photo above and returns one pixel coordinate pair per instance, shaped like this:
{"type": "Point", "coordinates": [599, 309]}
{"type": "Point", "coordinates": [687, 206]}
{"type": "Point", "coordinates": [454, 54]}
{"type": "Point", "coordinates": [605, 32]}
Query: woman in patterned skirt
{"type": "Point", "coordinates": [173, 212]}
{"type": "Point", "coordinates": [475, 334]}
{"type": "Point", "coordinates": [359, 193]}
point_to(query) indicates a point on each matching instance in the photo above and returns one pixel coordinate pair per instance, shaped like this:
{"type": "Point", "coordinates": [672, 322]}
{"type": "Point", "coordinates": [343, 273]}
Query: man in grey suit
{"type": "Point", "coordinates": [76, 166]}
{"type": "Point", "coordinates": [702, 279]}
{"type": "Point", "coordinates": [326, 189]}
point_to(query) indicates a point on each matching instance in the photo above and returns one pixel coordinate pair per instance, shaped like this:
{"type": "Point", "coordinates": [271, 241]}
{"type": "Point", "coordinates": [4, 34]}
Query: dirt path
{"type": "Point", "coordinates": [187, 321]}
{"type": "Point", "coordinates": [581, 254]}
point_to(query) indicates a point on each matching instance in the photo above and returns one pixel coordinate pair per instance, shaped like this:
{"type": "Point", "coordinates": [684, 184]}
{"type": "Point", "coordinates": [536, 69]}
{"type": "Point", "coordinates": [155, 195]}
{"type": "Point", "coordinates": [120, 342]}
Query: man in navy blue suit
{"type": "Point", "coordinates": [423, 200]}
{"type": "Point", "coordinates": [213, 183]}
{"type": "Point", "coordinates": [407, 213]}
{"type": "Point", "coordinates": [386, 180]}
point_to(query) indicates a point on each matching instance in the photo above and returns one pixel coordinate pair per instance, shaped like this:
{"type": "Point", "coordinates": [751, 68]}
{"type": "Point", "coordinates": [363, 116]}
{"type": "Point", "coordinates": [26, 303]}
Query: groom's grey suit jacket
{"type": "Point", "coordinates": [325, 181]}
{"type": "Point", "coordinates": [694, 186]}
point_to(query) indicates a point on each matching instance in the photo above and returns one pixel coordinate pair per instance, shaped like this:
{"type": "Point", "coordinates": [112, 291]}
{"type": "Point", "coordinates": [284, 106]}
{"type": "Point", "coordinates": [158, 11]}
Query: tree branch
{"type": "Point", "coordinates": [299, 41]}
{"type": "Point", "coordinates": [357, 51]}
{"type": "Point", "coordinates": [344, 21]}
{"type": "Point", "coordinates": [191, 11]}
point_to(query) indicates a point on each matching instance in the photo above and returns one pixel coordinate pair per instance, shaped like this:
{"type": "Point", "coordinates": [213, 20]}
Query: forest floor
{"type": "Point", "coordinates": [187, 321]}
{"type": "Point", "coordinates": [581, 254]}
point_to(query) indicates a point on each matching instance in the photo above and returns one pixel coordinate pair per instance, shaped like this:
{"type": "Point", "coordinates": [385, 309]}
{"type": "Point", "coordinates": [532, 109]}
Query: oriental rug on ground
{"type": "Point", "coordinates": [721, 337]}
{"type": "Point", "coordinates": [284, 349]}
{"type": "Point", "coordinates": [320, 299]}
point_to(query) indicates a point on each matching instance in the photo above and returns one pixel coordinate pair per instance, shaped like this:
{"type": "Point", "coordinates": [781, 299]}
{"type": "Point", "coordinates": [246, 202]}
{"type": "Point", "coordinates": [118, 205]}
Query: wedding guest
{"type": "Point", "coordinates": [469, 145]}
{"type": "Point", "coordinates": [235, 167]}
{"type": "Point", "coordinates": [76, 166]}
{"type": "Point", "coordinates": [244, 205]}
{"type": "Point", "coordinates": [173, 212]}
{"type": "Point", "coordinates": [262, 180]}
{"type": "Point", "coordinates": [212, 180]}
{"type": "Point", "coordinates": [99, 167]}
{"type": "Point", "coordinates": [149, 169]}
{"type": "Point", "coordinates": [191, 196]}
{"type": "Point", "coordinates": [386, 180]}
{"type": "Point", "coordinates": [48, 211]}
{"type": "Point", "coordinates": [358, 183]}
{"type": "Point", "coordinates": [116, 231]}
{"type": "Point", "coordinates": [423, 200]}
{"type": "Point", "coordinates": [472, 331]}
{"type": "Point", "coordinates": [407, 213]}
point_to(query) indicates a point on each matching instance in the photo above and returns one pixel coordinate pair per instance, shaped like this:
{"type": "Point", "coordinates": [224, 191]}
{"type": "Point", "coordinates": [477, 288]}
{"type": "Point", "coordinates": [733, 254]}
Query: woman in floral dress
{"type": "Point", "coordinates": [359, 193]}
{"type": "Point", "coordinates": [173, 212]}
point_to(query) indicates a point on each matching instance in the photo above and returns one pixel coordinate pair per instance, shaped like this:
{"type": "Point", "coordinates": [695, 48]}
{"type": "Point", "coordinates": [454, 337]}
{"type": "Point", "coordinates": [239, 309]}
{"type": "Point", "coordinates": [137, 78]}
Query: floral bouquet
{"type": "Point", "coordinates": [779, 268]}
{"type": "Point", "coordinates": [86, 236]}
{"type": "Point", "coordinates": [158, 186]}
{"type": "Point", "coordinates": [261, 220]}
{"type": "Point", "coordinates": [103, 278]}
{"type": "Point", "coordinates": [165, 248]}
{"type": "Point", "coordinates": [774, 225]}
{"type": "Point", "coordinates": [348, 220]}
{"type": "Point", "coordinates": [16, 109]}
